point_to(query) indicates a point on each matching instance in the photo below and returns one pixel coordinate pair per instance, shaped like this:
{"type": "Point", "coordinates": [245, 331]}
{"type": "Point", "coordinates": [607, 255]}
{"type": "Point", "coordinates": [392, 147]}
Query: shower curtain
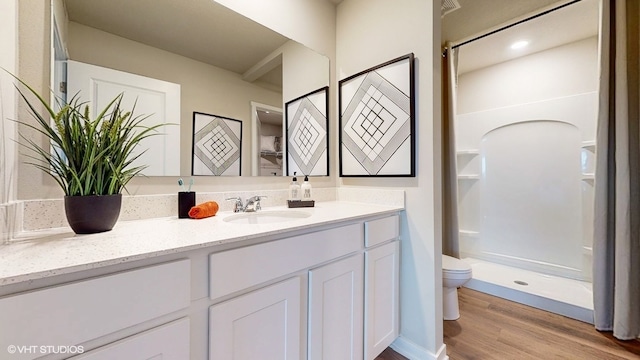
{"type": "Point", "coordinates": [616, 243]}
{"type": "Point", "coordinates": [449, 172]}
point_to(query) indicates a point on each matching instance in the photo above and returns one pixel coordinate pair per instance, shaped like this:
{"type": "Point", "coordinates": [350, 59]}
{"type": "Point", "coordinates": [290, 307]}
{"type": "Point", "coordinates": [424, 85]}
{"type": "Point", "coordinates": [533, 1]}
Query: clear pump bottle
{"type": "Point", "coordinates": [306, 189]}
{"type": "Point", "coordinates": [294, 189]}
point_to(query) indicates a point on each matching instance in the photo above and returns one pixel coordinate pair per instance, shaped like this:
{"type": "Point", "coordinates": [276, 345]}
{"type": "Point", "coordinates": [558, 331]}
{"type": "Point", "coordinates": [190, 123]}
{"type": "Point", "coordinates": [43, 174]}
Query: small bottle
{"type": "Point", "coordinates": [294, 189]}
{"type": "Point", "coordinates": [306, 189]}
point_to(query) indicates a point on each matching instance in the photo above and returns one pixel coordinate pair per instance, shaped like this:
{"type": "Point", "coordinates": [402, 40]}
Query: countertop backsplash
{"type": "Point", "coordinates": [32, 215]}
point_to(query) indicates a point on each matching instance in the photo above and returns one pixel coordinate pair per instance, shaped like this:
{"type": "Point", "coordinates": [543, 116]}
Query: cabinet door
{"type": "Point", "coordinates": [167, 342]}
{"type": "Point", "coordinates": [382, 276]}
{"type": "Point", "coordinates": [335, 310]}
{"type": "Point", "coordinates": [263, 324]}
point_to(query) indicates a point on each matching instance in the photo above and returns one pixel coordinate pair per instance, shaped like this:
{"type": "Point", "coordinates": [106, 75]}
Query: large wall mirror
{"type": "Point", "coordinates": [226, 65]}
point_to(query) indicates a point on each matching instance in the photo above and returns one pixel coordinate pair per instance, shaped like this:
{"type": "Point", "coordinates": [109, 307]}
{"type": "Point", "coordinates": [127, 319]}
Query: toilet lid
{"type": "Point", "coordinates": [454, 265]}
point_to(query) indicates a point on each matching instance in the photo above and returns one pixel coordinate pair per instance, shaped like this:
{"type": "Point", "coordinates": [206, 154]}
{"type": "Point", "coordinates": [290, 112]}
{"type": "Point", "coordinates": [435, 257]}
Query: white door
{"type": "Point", "coordinates": [158, 99]}
{"type": "Point", "coordinates": [263, 324]}
{"type": "Point", "coordinates": [335, 310]}
{"type": "Point", "coordinates": [382, 277]}
{"type": "Point", "coordinates": [167, 342]}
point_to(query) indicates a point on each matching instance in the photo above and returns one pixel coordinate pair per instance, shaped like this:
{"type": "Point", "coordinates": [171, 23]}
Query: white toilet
{"type": "Point", "coordinates": [455, 273]}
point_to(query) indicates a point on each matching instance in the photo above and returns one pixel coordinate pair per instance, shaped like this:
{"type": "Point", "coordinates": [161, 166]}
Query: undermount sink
{"type": "Point", "coordinates": [266, 217]}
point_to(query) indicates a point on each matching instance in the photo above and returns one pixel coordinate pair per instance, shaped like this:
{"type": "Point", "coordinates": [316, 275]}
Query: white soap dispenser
{"type": "Point", "coordinates": [306, 189]}
{"type": "Point", "coordinates": [294, 189]}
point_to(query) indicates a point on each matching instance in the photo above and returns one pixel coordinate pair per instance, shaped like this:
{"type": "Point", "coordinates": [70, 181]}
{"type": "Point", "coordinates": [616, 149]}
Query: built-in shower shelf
{"type": "Point", "coordinates": [470, 152]}
{"type": "Point", "coordinates": [469, 233]}
{"type": "Point", "coordinates": [587, 250]}
{"type": "Point", "coordinates": [588, 176]}
{"type": "Point", "coordinates": [589, 145]}
{"type": "Point", "coordinates": [469, 177]}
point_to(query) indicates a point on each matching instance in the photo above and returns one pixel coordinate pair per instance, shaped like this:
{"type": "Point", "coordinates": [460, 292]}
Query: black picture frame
{"type": "Point", "coordinates": [377, 121]}
{"type": "Point", "coordinates": [307, 134]}
{"type": "Point", "coordinates": [216, 146]}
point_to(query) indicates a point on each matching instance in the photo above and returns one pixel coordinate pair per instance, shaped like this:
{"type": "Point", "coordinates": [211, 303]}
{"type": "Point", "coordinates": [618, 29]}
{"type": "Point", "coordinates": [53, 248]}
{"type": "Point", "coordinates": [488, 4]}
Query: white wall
{"type": "Point", "coordinates": [371, 32]}
{"type": "Point", "coordinates": [303, 71]}
{"type": "Point", "coordinates": [562, 71]}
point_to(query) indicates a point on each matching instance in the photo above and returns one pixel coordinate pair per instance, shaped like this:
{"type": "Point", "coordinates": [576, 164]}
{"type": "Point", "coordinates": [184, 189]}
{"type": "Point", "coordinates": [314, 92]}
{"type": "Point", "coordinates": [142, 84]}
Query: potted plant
{"type": "Point", "coordinates": [90, 158]}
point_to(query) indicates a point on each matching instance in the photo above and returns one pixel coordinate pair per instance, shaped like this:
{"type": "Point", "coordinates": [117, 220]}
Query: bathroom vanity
{"type": "Point", "coordinates": [318, 287]}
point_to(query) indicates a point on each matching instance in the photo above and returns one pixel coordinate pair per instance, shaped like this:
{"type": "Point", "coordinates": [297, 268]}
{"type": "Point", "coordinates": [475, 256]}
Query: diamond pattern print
{"type": "Point", "coordinates": [216, 146]}
{"type": "Point", "coordinates": [376, 122]}
{"type": "Point", "coordinates": [307, 134]}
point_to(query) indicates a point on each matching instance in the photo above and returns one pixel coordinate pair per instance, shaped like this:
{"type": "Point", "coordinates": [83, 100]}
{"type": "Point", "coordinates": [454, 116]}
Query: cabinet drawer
{"type": "Point", "coordinates": [238, 269]}
{"type": "Point", "coordinates": [381, 230]}
{"type": "Point", "coordinates": [73, 313]}
{"type": "Point", "coordinates": [166, 342]}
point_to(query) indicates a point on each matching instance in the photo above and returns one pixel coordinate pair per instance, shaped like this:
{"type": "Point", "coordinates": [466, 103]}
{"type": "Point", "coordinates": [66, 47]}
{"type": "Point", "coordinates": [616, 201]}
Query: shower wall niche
{"type": "Point", "coordinates": [525, 133]}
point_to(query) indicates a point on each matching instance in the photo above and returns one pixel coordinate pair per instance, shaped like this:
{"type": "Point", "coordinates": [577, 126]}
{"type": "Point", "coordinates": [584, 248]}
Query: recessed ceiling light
{"type": "Point", "coordinates": [519, 44]}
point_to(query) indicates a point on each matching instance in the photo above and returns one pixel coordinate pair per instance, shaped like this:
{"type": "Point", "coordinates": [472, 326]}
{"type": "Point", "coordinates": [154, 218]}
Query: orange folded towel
{"type": "Point", "coordinates": [204, 210]}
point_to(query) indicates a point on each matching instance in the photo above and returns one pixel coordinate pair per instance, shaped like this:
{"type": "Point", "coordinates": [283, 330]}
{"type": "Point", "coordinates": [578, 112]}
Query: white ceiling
{"type": "Point", "coordinates": [571, 23]}
{"type": "Point", "coordinates": [270, 117]}
{"type": "Point", "coordinates": [199, 29]}
{"type": "Point", "coordinates": [475, 16]}
{"type": "Point", "coordinates": [209, 32]}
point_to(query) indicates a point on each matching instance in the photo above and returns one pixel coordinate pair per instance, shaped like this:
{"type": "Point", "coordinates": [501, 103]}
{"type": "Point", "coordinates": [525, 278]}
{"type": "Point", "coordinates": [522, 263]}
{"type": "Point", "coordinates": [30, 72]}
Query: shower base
{"type": "Point", "coordinates": [568, 297]}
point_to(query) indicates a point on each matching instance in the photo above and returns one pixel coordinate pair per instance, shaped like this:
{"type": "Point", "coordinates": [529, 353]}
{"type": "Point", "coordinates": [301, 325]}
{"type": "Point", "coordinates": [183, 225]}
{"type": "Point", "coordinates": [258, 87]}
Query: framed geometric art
{"type": "Point", "coordinates": [377, 121]}
{"type": "Point", "coordinates": [217, 145]}
{"type": "Point", "coordinates": [307, 134]}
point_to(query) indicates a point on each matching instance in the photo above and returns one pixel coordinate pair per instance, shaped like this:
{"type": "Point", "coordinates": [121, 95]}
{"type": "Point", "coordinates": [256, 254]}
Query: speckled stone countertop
{"type": "Point", "coordinates": [45, 253]}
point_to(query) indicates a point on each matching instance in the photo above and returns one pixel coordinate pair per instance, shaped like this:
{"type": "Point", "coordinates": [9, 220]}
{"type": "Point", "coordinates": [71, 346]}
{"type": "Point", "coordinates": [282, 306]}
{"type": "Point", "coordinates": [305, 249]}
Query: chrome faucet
{"type": "Point", "coordinates": [252, 205]}
{"type": "Point", "coordinates": [237, 206]}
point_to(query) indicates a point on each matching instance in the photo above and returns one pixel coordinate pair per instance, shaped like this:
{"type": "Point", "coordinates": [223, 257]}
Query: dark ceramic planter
{"type": "Point", "coordinates": [92, 214]}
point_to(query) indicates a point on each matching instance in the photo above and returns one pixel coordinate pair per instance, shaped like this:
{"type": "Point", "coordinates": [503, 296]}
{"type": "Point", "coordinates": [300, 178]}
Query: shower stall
{"type": "Point", "coordinates": [525, 123]}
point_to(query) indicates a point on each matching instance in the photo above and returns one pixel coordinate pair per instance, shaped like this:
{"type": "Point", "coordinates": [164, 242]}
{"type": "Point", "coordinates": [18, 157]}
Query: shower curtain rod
{"type": "Point", "coordinates": [516, 23]}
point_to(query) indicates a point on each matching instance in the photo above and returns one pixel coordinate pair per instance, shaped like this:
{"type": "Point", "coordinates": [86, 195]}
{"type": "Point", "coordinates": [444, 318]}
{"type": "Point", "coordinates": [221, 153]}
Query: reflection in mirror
{"type": "Point", "coordinates": [267, 121]}
{"type": "Point", "coordinates": [222, 61]}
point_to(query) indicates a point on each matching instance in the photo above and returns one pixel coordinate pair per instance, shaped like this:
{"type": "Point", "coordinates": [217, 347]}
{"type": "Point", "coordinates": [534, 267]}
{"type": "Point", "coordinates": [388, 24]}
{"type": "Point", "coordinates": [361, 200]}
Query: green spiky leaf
{"type": "Point", "coordinates": [89, 156]}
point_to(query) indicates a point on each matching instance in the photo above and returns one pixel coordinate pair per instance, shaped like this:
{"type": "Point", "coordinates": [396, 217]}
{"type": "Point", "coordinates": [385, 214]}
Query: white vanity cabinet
{"type": "Point", "coordinates": [270, 322]}
{"type": "Point", "coordinates": [338, 286]}
{"type": "Point", "coordinates": [328, 291]}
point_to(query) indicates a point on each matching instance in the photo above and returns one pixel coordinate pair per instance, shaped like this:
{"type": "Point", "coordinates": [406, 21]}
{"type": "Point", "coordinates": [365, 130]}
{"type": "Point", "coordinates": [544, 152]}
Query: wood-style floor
{"type": "Point", "coordinates": [496, 329]}
{"type": "Point", "coordinates": [389, 354]}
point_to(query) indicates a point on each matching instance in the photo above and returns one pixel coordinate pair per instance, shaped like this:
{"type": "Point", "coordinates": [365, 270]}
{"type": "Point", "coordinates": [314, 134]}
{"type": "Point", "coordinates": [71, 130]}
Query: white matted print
{"type": "Point", "coordinates": [307, 134]}
{"type": "Point", "coordinates": [377, 121]}
{"type": "Point", "coordinates": [216, 146]}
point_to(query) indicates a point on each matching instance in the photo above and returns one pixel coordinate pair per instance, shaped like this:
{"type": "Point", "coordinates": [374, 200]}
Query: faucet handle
{"type": "Point", "coordinates": [253, 203]}
{"type": "Point", "coordinates": [237, 206]}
